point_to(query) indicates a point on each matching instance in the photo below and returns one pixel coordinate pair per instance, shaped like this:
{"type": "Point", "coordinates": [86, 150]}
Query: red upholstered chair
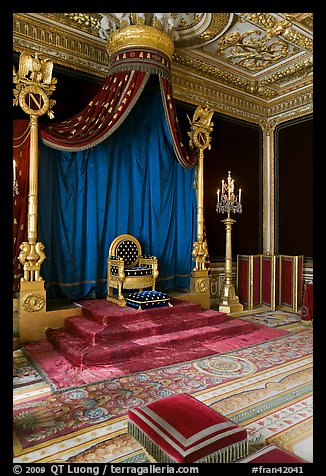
{"type": "Point", "coordinates": [272, 454]}
{"type": "Point", "coordinates": [181, 429]}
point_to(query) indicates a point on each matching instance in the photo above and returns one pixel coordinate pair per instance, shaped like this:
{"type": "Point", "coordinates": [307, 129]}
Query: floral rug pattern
{"type": "Point", "coordinates": [251, 384]}
{"type": "Point", "coordinates": [273, 318]}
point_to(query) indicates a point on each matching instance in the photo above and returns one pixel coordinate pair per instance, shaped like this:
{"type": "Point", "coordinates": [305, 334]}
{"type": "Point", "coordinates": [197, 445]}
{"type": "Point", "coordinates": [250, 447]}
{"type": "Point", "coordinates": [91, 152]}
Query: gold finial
{"type": "Point", "coordinates": [140, 35]}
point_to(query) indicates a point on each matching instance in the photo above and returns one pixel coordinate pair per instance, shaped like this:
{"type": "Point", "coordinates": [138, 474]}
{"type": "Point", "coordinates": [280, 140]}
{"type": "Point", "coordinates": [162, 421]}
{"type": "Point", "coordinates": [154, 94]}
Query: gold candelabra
{"type": "Point", "coordinates": [228, 202]}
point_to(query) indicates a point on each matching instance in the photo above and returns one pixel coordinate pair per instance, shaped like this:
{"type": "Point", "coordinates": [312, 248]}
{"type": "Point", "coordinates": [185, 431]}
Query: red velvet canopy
{"type": "Point", "coordinates": [128, 74]}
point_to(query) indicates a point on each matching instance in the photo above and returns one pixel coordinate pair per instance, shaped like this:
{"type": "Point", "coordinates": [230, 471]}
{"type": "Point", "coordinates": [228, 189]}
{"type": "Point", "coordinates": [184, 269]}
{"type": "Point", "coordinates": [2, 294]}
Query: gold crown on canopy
{"type": "Point", "coordinates": [151, 30]}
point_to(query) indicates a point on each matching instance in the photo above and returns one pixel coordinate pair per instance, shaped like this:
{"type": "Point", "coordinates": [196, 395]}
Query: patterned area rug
{"type": "Point", "coordinates": [27, 381]}
{"type": "Point", "coordinates": [266, 388]}
{"type": "Point", "coordinates": [273, 318]}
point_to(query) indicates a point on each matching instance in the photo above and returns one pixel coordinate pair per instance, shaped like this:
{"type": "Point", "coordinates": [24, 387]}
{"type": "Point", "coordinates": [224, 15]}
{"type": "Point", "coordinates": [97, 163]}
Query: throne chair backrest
{"type": "Point", "coordinates": [128, 248]}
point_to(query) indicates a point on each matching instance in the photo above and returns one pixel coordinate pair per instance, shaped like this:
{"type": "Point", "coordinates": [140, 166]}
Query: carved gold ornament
{"type": "Point", "coordinates": [140, 36]}
{"type": "Point", "coordinates": [251, 50]}
{"type": "Point", "coordinates": [201, 127]}
{"type": "Point", "coordinates": [33, 100]}
{"type": "Point", "coordinates": [34, 85]}
{"type": "Point", "coordinates": [201, 285]}
{"type": "Point", "coordinates": [33, 302]}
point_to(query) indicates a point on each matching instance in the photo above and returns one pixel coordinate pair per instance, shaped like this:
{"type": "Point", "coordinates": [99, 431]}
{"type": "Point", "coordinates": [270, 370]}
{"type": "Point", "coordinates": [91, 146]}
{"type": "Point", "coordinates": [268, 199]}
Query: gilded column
{"type": "Point", "coordinates": [34, 85]}
{"type": "Point", "coordinates": [268, 128]}
{"type": "Point", "coordinates": [201, 126]}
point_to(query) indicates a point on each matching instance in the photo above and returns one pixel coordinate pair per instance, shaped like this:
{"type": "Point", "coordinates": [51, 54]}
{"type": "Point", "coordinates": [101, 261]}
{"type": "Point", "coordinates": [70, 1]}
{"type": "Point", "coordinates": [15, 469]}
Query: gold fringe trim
{"type": "Point", "coordinates": [229, 454]}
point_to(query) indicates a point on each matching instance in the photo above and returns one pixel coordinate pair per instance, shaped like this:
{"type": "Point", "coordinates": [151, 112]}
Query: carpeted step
{"type": "Point", "coordinates": [146, 327]}
{"type": "Point", "coordinates": [72, 347]}
{"type": "Point", "coordinates": [109, 334]}
{"type": "Point", "coordinates": [83, 327]}
{"type": "Point", "coordinates": [142, 324]}
{"type": "Point", "coordinates": [197, 334]}
{"type": "Point", "coordinates": [235, 326]}
{"type": "Point", "coordinates": [110, 351]}
{"type": "Point", "coordinates": [107, 313]}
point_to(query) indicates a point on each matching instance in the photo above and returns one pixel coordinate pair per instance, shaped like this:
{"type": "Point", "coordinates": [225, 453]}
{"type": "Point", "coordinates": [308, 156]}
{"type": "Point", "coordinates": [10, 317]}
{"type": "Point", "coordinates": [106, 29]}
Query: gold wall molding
{"type": "Point", "coordinates": [195, 91]}
{"type": "Point", "coordinates": [302, 68]}
{"type": "Point", "coordinates": [62, 46]}
{"type": "Point", "coordinates": [264, 89]}
{"type": "Point", "coordinates": [194, 80]}
{"type": "Point", "coordinates": [217, 74]}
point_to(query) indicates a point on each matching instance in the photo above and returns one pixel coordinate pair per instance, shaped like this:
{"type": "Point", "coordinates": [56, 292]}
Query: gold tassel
{"type": "Point", "coordinates": [229, 454]}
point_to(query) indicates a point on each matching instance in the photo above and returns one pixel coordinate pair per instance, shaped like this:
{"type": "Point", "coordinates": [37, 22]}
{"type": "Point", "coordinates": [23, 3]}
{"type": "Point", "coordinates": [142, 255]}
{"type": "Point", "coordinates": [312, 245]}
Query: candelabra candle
{"type": "Point", "coordinates": [228, 202]}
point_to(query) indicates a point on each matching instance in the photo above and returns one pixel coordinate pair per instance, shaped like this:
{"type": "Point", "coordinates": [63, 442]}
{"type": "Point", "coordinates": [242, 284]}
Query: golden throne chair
{"type": "Point", "coordinates": [128, 268]}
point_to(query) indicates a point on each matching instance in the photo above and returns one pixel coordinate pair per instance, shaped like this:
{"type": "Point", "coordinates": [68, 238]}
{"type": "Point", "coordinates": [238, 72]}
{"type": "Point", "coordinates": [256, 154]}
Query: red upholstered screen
{"type": "Point", "coordinates": [249, 280]}
{"type": "Point", "coordinates": [267, 280]}
{"type": "Point", "coordinates": [291, 269]}
{"type": "Point", "coordinates": [287, 281]}
{"type": "Point", "coordinates": [270, 280]}
{"type": "Point", "coordinates": [243, 279]}
{"type": "Point", "coordinates": [256, 286]}
{"type": "Point", "coordinates": [300, 279]}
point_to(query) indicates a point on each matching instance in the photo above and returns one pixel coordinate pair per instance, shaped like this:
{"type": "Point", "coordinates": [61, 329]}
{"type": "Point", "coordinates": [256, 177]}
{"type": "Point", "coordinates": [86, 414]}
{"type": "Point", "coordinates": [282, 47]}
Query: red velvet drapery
{"type": "Point", "coordinates": [21, 156]}
{"type": "Point", "coordinates": [128, 75]}
{"type": "Point", "coordinates": [187, 158]}
{"type": "Point", "coordinates": [107, 110]}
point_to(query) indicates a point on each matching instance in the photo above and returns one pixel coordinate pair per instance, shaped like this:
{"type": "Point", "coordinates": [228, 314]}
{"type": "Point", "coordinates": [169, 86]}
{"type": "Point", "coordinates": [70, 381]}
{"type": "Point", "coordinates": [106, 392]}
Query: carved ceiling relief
{"type": "Point", "coordinates": [257, 64]}
{"type": "Point", "coordinates": [253, 50]}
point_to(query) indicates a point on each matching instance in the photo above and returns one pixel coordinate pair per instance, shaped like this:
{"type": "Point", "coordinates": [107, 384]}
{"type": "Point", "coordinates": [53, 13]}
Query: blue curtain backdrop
{"type": "Point", "coordinates": [129, 183]}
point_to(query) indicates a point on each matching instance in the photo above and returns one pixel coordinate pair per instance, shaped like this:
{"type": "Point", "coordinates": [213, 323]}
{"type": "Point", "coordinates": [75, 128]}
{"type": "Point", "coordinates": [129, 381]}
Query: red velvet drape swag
{"type": "Point", "coordinates": [106, 112]}
{"type": "Point", "coordinates": [21, 143]}
{"type": "Point", "coordinates": [101, 117]}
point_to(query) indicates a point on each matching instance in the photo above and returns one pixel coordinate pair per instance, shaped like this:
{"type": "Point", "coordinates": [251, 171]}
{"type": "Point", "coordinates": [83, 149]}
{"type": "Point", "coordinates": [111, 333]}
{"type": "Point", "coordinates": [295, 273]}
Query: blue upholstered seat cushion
{"type": "Point", "coordinates": [139, 271]}
{"type": "Point", "coordinates": [142, 270]}
{"type": "Point", "coordinates": [147, 299]}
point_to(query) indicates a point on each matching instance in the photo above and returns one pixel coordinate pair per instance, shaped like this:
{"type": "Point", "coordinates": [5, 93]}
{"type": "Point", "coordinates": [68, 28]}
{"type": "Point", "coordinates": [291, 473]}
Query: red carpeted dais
{"type": "Point", "coordinates": [111, 341]}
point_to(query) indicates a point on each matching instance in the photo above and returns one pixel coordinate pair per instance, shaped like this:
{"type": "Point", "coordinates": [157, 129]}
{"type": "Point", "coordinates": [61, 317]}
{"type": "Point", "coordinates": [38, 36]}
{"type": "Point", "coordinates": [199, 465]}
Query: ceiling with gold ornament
{"type": "Point", "coordinates": [253, 66]}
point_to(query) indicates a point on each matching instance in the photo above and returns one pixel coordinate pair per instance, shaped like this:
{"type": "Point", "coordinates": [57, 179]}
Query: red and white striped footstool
{"type": "Point", "coordinates": [181, 429]}
{"type": "Point", "coordinates": [272, 454]}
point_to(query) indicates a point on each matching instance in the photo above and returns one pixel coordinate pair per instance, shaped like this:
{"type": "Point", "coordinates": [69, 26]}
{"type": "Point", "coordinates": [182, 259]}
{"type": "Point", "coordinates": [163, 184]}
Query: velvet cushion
{"type": "Point", "coordinates": [181, 429]}
{"type": "Point", "coordinates": [147, 299]}
{"type": "Point", "coordinates": [272, 454]}
{"type": "Point", "coordinates": [139, 271]}
{"type": "Point", "coordinates": [128, 250]}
